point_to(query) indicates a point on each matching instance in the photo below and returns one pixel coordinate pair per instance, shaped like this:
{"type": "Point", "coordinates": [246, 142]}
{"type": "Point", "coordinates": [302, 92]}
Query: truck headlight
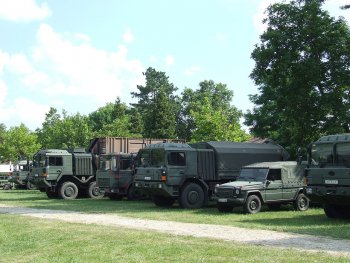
{"type": "Point", "coordinates": [237, 191]}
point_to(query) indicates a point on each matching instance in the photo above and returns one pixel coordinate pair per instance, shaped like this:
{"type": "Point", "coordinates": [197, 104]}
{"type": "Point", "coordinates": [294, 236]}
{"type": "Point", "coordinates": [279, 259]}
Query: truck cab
{"type": "Point", "coordinates": [20, 174]}
{"type": "Point", "coordinates": [327, 176]}
{"type": "Point", "coordinates": [115, 176]}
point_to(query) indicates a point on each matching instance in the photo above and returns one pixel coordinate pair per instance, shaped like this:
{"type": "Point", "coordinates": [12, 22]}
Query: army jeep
{"type": "Point", "coordinates": [270, 183]}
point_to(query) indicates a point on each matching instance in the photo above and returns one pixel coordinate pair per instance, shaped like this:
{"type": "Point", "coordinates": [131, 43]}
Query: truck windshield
{"type": "Point", "coordinates": [39, 160]}
{"type": "Point", "coordinates": [151, 158]}
{"type": "Point", "coordinates": [253, 174]}
{"type": "Point", "coordinates": [321, 154]}
{"type": "Point", "coordinates": [107, 162]}
{"type": "Point", "coordinates": [343, 154]}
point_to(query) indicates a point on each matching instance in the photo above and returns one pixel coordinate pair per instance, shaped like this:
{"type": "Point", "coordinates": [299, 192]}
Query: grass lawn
{"type": "Point", "coordinates": [25, 239]}
{"type": "Point", "coordinates": [312, 222]}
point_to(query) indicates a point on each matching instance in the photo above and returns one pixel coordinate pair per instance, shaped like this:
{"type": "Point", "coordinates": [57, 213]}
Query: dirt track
{"type": "Point", "coordinates": [227, 233]}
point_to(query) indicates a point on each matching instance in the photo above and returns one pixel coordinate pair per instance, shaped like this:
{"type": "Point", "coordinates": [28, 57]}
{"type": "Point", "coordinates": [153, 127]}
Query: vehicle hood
{"type": "Point", "coordinates": [243, 184]}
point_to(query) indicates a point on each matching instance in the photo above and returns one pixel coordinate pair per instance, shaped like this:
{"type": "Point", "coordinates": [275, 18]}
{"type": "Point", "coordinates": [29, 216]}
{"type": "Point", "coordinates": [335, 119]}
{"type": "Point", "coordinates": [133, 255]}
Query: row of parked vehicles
{"type": "Point", "coordinates": [233, 174]}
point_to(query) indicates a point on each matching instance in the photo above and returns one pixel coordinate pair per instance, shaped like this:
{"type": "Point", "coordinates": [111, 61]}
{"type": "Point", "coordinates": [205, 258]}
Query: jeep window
{"type": "Point", "coordinates": [274, 174]}
{"type": "Point", "coordinates": [253, 174]}
{"type": "Point", "coordinates": [176, 158]}
{"type": "Point", "coordinates": [55, 161]}
{"type": "Point", "coordinates": [343, 153]}
{"type": "Point", "coordinates": [321, 154]}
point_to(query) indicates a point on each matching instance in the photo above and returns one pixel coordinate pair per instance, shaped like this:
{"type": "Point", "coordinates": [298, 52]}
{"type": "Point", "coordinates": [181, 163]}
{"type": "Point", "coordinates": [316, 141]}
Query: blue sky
{"type": "Point", "coordinates": [78, 55]}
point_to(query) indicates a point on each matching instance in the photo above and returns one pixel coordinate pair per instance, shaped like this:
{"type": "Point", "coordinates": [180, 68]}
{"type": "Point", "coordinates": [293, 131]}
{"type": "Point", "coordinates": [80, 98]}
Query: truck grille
{"type": "Point", "coordinates": [224, 192]}
{"type": "Point", "coordinates": [103, 182]}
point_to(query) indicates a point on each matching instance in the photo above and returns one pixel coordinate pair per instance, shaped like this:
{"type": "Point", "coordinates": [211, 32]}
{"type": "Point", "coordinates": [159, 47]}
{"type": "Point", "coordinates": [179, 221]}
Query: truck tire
{"type": "Point", "coordinates": [335, 211]}
{"type": "Point", "coordinates": [301, 203]}
{"type": "Point", "coordinates": [7, 187]}
{"type": "Point", "coordinates": [30, 186]}
{"type": "Point", "coordinates": [163, 201]}
{"type": "Point", "coordinates": [224, 208]}
{"type": "Point", "coordinates": [68, 190]}
{"type": "Point", "coordinates": [93, 191]}
{"type": "Point", "coordinates": [132, 193]}
{"type": "Point", "coordinates": [252, 204]}
{"type": "Point", "coordinates": [192, 196]}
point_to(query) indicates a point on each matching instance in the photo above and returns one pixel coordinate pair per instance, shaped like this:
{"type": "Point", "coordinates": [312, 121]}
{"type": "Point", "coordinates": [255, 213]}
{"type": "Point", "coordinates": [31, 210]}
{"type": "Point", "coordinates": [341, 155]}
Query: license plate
{"type": "Point", "coordinates": [147, 178]}
{"type": "Point", "coordinates": [331, 181]}
{"type": "Point", "coordinates": [36, 175]}
{"type": "Point", "coordinates": [222, 200]}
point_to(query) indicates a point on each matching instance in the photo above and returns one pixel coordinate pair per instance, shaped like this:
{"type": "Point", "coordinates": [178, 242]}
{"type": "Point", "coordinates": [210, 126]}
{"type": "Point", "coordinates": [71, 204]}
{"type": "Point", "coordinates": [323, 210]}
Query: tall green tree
{"type": "Point", "coordinates": [207, 114]}
{"type": "Point", "coordinates": [157, 105]}
{"type": "Point", "coordinates": [303, 75]}
{"type": "Point", "coordinates": [19, 143]}
{"type": "Point", "coordinates": [113, 119]}
{"type": "Point", "coordinates": [64, 131]}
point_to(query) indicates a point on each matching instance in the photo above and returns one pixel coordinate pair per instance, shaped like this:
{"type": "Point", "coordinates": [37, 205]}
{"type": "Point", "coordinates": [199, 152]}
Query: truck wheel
{"type": "Point", "coordinates": [224, 208]}
{"type": "Point", "coordinates": [334, 211]}
{"type": "Point", "coordinates": [7, 186]}
{"type": "Point", "coordinates": [163, 201]}
{"type": "Point", "coordinates": [252, 205]}
{"type": "Point", "coordinates": [301, 203]}
{"type": "Point", "coordinates": [68, 190]}
{"type": "Point", "coordinates": [93, 191]}
{"type": "Point", "coordinates": [132, 193]}
{"type": "Point", "coordinates": [30, 186]}
{"type": "Point", "coordinates": [192, 196]}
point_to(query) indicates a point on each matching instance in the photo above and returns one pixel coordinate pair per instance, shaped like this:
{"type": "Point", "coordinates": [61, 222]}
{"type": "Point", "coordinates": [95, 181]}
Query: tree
{"type": "Point", "coordinates": [111, 120]}
{"type": "Point", "coordinates": [216, 125]}
{"type": "Point", "coordinates": [207, 114]}
{"type": "Point", "coordinates": [157, 105]}
{"type": "Point", "coordinates": [19, 143]}
{"type": "Point", "coordinates": [66, 131]}
{"type": "Point", "coordinates": [302, 73]}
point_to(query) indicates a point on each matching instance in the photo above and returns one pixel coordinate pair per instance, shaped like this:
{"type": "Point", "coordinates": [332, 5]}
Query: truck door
{"type": "Point", "coordinates": [176, 162]}
{"type": "Point", "coordinates": [124, 172]}
{"type": "Point", "coordinates": [273, 189]}
{"type": "Point", "coordinates": [54, 167]}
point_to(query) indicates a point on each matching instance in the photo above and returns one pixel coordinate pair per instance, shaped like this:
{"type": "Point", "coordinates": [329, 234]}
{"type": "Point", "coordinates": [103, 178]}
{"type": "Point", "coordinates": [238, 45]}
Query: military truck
{"type": "Point", "coordinates": [188, 173]}
{"type": "Point", "coordinates": [115, 172]}
{"type": "Point", "coordinates": [327, 177]}
{"type": "Point", "coordinates": [64, 173]}
{"type": "Point", "coordinates": [20, 175]}
{"type": "Point", "coordinates": [270, 183]}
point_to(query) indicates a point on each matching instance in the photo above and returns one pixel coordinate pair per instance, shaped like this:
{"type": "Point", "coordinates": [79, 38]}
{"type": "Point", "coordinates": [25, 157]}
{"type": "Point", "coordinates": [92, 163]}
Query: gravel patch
{"type": "Point", "coordinates": [233, 234]}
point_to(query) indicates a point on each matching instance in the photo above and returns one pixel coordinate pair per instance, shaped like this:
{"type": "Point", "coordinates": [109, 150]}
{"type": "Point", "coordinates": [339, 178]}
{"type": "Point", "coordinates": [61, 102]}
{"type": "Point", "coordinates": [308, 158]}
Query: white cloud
{"type": "Point", "coordinates": [128, 37]}
{"type": "Point", "coordinates": [192, 70]}
{"type": "Point", "coordinates": [169, 60]}
{"type": "Point", "coordinates": [260, 14]}
{"type": "Point", "coordinates": [65, 68]}
{"type": "Point", "coordinates": [23, 10]}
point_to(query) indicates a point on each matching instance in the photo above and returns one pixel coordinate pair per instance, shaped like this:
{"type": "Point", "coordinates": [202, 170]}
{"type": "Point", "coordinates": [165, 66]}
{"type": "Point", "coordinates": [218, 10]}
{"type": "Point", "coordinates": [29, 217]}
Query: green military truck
{"type": "Point", "coordinates": [20, 175]}
{"type": "Point", "coordinates": [64, 173]}
{"type": "Point", "coordinates": [114, 176]}
{"type": "Point", "coordinates": [327, 176]}
{"type": "Point", "coordinates": [115, 172]}
{"type": "Point", "coordinates": [270, 183]}
{"type": "Point", "coordinates": [188, 173]}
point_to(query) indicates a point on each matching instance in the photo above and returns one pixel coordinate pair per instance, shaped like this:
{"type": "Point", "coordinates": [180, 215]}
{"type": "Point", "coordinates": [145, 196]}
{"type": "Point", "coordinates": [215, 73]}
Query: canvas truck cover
{"type": "Point", "coordinates": [231, 156]}
{"type": "Point", "coordinates": [292, 173]}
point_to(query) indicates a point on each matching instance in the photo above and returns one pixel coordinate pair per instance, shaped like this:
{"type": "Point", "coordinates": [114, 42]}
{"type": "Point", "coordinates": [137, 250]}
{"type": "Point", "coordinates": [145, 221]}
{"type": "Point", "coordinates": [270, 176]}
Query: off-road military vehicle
{"type": "Point", "coordinates": [188, 173]}
{"type": "Point", "coordinates": [20, 175]}
{"type": "Point", "coordinates": [114, 176]}
{"type": "Point", "coordinates": [271, 183]}
{"type": "Point", "coordinates": [115, 172]}
{"type": "Point", "coordinates": [327, 176]}
{"type": "Point", "coordinates": [64, 173]}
